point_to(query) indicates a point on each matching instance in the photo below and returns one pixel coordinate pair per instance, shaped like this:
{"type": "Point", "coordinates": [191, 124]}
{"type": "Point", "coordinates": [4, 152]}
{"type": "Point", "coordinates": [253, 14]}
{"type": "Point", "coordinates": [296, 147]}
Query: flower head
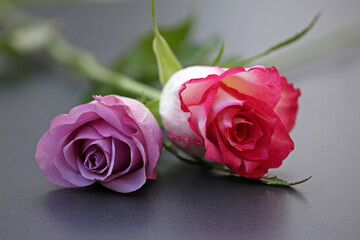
{"type": "Point", "coordinates": [238, 117]}
{"type": "Point", "coordinates": [112, 140]}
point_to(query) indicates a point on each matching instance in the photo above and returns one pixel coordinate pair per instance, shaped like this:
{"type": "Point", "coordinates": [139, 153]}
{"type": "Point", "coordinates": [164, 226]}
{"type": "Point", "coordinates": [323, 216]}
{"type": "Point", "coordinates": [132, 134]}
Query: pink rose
{"type": "Point", "coordinates": [112, 140]}
{"type": "Point", "coordinates": [237, 117]}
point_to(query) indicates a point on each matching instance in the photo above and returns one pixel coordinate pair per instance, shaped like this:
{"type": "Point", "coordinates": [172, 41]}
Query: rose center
{"type": "Point", "coordinates": [240, 131]}
{"type": "Point", "coordinates": [94, 159]}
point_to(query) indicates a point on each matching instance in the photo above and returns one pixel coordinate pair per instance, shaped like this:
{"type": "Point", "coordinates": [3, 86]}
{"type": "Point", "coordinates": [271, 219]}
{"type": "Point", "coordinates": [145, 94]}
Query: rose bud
{"type": "Point", "coordinates": [112, 140]}
{"type": "Point", "coordinates": [237, 117]}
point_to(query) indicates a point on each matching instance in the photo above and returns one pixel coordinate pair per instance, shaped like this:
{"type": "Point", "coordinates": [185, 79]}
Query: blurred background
{"type": "Point", "coordinates": [108, 28]}
{"type": "Point", "coordinates": [42, 77]}
{"type": "Point", "coordinates": [117, 34]}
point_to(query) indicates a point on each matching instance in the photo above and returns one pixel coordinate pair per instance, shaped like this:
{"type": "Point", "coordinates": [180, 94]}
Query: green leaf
{"type": "Point", "coordinates": [153, 106]}
{"type": "Point", "coordinates": [294, 38]}
{"type": "Point", "coordinates": [167, 62]}
{"type": "Point", "coordinates": [218, 57]}
{"type": "Point", "coordinates": [143, 99]}
{"type": "Point", "coordinates": [139, 61]}
{"type": "Point", "coordinates": [279, 182]}
{"type": "Point", "coordinates": [192, 54]}
{"type": "Point", "coordinates": [179, 38]}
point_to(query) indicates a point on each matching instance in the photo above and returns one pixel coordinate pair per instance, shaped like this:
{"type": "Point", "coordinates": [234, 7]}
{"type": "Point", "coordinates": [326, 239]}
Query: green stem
{"type": "Point", "coordinates": [87, 65]}
{"type": "Point", "coordinates": [153, 16]}
{"type": "Point", "coordinates": [213, 165]}
{"type": "Point", "coordinates": [274, 181]}
{"type": "Point", "coordinates": [195, 160]}
{"type": "Point", "coordinates": [48, 37]}
{"type": "Point", "coordinates": [169, 147]}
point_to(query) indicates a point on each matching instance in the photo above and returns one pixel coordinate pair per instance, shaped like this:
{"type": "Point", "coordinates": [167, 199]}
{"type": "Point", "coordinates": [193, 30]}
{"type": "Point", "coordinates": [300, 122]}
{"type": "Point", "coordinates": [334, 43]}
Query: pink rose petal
{"type": "Point", "coordinates": [237, 115]}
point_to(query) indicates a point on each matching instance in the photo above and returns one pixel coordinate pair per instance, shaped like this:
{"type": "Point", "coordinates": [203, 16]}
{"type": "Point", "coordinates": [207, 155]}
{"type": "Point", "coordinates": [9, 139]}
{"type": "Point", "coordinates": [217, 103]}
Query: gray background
{"type": "Point", "coordinates": [187, 202]}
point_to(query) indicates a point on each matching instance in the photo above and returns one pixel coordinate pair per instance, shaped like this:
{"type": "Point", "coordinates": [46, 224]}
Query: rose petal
{"type": "Point", "coordinates": [228, 157]}
{"type": "Point", "coordinates": [287, 107]}
{"type": "Point", "coordinates": [72, 149]}
{"type": "Point", "coordinates": [76, 117]}
{"type": "Point", "coordinates": [133, 142]}
{"type": "Point", "coordinates": [170, 104]}
{"type": "Point", "coordinates": [232, 114]}
{"type": "Point", "coordinates": [52, 175]}
{"type": "Point", "coordinates": [152, 135]}
{"type": "Point", "coordinates": [95, 159]}
{"type": "Point", "coordinates": [100, 141]}
{"type": "Point", "coordinates": [251, 170]}
{"type": "Point", "coordinates": [190, 145]}
{"type": "Point", "coordinates": [213, 151]}
{"type": "Point", "coordinates": [67, 172]}
{"type": "Point", "coordinates": [116, 115]}
{"type": "Point", "coordinates": [129, 182]}
{"type": "Point", "coordinates": [269, 151]}
{"type": "Point", "coordinates": [140, 117]}
{"type": "Point", "coordinates": [106, 130]}
{"type": "Point", "coordinates": [259, 82]}
{"type": "Point", "coordinates": [103, 143]}
{"type": "Point", "coordinates": [281, 146]}
{"type": "Point", "coordinates": [134, 162]}
{"type": "Point", "coordinates": [122, 155]}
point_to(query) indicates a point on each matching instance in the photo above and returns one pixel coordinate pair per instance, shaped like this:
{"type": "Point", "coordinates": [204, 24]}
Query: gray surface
{"type": "Point", "coordinates": [186, 202]}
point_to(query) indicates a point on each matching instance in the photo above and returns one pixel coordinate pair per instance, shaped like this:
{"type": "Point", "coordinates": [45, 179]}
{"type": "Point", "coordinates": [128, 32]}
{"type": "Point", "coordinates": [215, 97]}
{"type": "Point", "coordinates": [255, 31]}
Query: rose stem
{"type": "Point", "coordinates": [85, 63]}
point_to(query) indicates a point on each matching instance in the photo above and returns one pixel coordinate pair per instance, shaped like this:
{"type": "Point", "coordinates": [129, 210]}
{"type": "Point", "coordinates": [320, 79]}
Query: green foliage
{"type": "Point", "coordinates": [245, 62]}
{"type": "Point", "coordinates": [166, 60]}
{"type": "Point", "coordinates": [139, 61]}
{"type": "Point", "coordinates": [218, 57]}
{"type": "Point", "coordinates": [153, 106]}
{"type": "Point", "coordinates": [279, 182]}
{"type": "Point", "coordinates": [200, 161]}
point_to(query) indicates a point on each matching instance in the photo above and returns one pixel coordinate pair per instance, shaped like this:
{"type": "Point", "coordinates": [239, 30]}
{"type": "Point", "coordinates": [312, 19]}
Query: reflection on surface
{"type": "Point", "coordinates": [186, 201]}
{"type": "Point", "coordinates": [96, 209]}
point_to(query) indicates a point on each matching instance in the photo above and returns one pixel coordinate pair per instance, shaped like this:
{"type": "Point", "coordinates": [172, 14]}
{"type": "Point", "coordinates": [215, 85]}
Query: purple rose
{"type": "Point", "coordinates": [112, 140]}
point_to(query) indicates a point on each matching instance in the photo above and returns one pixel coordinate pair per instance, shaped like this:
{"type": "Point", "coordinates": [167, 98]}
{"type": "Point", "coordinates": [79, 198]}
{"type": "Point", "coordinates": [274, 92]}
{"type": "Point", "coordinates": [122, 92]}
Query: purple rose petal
{"type": "Point", "coordinates": [110, 140]}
